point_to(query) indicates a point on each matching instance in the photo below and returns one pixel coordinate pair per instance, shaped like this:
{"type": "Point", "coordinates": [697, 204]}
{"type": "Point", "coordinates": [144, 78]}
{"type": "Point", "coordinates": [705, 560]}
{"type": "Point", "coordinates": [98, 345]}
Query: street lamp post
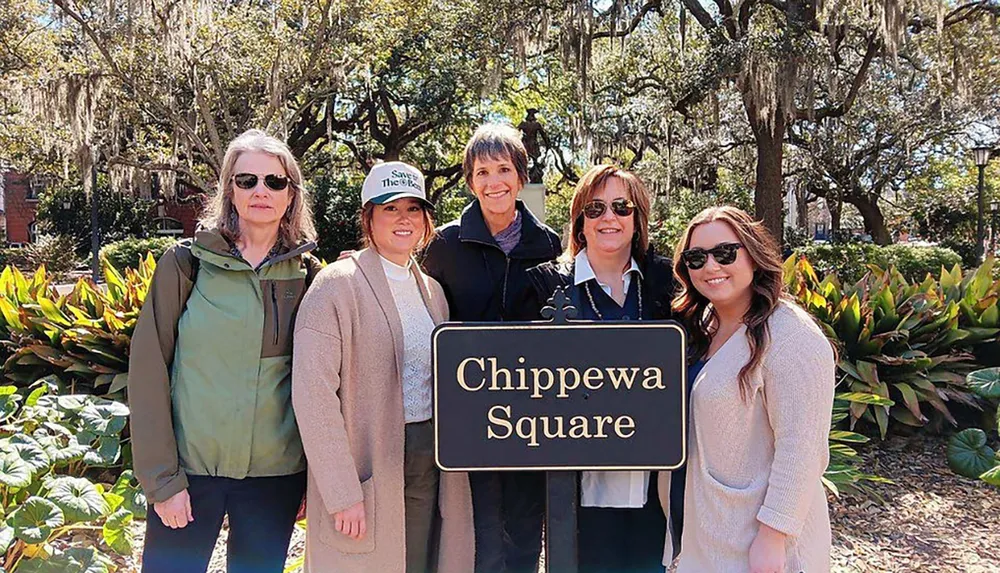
{"type": "Point", "coordinates": [982, 156]}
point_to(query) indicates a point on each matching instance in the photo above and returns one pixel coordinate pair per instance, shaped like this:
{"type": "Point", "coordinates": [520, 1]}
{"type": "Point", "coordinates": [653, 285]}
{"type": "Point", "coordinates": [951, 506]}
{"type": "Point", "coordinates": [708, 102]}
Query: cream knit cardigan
{"type": "Point", "coordinates": [760, 461]}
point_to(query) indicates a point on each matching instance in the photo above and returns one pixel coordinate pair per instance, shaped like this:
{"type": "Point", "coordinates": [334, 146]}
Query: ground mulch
{"type": "Point", "coordinates": [930, 519]}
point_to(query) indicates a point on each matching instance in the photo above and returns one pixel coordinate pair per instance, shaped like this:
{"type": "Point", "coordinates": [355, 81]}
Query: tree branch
{"type": "Point", "coordinates": [874, 46]}
{"type": "Point", "coordinates": [633, 24]}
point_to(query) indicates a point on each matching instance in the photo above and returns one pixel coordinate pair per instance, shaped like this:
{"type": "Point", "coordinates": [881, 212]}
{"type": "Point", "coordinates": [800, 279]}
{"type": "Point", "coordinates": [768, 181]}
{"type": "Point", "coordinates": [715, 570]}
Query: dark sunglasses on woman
{"type": "Point", "coordinates": [724, 253]}
{"type": "Point", "coordinates": [271, 181]}
{"type": "Point", "coordinates": [621, 207]}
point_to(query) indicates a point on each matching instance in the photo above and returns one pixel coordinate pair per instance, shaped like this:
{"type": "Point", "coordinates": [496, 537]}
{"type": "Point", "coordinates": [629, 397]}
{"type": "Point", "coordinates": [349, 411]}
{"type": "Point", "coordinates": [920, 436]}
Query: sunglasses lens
{"type": "Point", "coordinates": [622, 207]}
{"type": "Point", "coordinates": [594, 209]}
{"type": "Point", "coordinates": [725, 254]}
{"type": "Point", "coordinates": [276, 182]}
{"type": "Point", "coordinates": [694, 259]}
{"type": "Point", "coordinates": [245, 180]}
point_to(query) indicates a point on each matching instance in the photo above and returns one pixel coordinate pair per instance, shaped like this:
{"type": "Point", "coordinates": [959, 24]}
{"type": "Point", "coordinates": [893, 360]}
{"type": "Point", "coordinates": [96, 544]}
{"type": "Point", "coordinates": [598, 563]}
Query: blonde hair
{"type": "Point", "coordinates": [589, 185]}
{"type": "Point", "coordinates": [220, 214]}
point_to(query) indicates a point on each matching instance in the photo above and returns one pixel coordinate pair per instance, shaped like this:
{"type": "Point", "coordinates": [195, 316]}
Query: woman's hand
{"type": "Point", "coordinates": [175, 512]}
{"type": "Point", "coordinates": [351, 521]}
{"type": "Point", "coordinates": [767, 552]}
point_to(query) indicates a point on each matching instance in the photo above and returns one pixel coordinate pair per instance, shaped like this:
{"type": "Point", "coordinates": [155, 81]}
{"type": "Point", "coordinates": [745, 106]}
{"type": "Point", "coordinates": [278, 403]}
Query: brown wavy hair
{"type": "Point", "coordinates": [695, 311]}
{"type": "Point", "coordinates": [593, 181]}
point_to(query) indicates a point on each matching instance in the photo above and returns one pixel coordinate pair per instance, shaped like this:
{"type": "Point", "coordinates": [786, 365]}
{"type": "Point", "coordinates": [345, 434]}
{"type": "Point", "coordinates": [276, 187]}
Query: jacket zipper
{"type": "Point", "coordinates": [503, 295]}
{"type": "Point", "coordinates": [274, 308]}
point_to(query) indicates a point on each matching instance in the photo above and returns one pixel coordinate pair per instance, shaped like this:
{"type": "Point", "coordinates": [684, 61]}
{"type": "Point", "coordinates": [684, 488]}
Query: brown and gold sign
{"type": "Point", "coordinates": [577, 396]}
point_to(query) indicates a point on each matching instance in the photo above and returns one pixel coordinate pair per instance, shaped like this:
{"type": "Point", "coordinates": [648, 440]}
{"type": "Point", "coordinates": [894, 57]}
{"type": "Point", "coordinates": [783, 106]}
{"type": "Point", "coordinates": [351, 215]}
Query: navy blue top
{"type": "Point", "coordinates": [678, 477]}
{"type": "Point", "coordinates": [605, 304]}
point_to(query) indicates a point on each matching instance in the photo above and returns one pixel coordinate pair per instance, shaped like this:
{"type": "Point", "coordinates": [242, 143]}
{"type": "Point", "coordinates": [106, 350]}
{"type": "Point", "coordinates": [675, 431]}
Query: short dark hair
{"type": "Point", "coordinates": [496, 141]}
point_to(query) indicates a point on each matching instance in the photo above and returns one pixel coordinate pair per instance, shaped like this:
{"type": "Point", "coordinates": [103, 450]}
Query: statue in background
{"type": "Point", "coordinates": [533, 134]}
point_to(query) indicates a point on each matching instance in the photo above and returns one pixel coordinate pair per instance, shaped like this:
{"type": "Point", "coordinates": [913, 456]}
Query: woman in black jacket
{"type": "Point", "coordinates": [612, 274]}
{"type": "Point", "coordinates": [481, 261]}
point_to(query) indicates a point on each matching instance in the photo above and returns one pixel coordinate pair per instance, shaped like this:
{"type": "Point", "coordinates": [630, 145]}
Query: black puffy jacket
{"type": "Point", "coordinates": [483, 284]}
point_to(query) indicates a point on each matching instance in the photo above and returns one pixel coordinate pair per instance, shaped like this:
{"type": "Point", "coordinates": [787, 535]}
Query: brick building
{"type": "Point", "coordinates": [18, 205]}
{"type": "Point", "coordinates": [19, 195]}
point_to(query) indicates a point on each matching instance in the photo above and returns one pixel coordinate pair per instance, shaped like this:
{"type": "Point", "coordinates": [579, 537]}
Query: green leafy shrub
{"type": "Point", "coordinates": [82, 337]}
{"type": "Point", "coordinates": [55, 253]}
{"type": "Point", "coordinates": [850, 261]}
{"type": "Point", "coordinates": [49, 444]}
{"type": "Point", "coordinates": [64, 209]}
{"type": "Point", "coordinates": [903, 347]}
{"type": "Point", "coordinates": [129, 253]}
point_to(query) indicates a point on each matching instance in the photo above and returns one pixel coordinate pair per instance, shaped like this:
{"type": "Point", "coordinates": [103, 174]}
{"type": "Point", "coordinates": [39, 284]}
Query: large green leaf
{"type": "Point", "coordinates": [992, 476]}
{"type": "Point", "coordinates": [985, 382]}
{"type": "Point", "coordinates": [78, 498]}
{"type": "Point", "coordinates": [128, 488]}
{"type": "Point", "coordinates": [75, 560]}
{"type": "Point", "coordinates": [33, 455]}
{"type": "Point", "coordinates": [34, 521]}
{"type": "Point", "coordinates": [6, 537]}
{"type": "Point", "coordinates": [14, 472]}
{"type": "Point", "coordinates": [968, 454]}
{"type": "Point", "coordinates": [864, 398]}
{"type": "Point", "coordinates": [117, 533]}
{"type": "Point", "coordinates": [104, 419]}
{"type": "Point", "coordinates": [104, 452]}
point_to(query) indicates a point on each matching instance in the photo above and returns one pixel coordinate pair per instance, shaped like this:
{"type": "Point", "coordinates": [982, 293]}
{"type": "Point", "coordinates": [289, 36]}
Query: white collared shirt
{"type": "Point", "coordinates": [622, 489]}
{"type": "Point", "coordinates": [583, 272]}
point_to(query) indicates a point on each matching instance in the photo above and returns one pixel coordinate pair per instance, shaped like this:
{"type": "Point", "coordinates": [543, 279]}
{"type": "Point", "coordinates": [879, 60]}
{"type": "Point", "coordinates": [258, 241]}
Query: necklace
{"type": "Point", "coordinates": [593, 305]}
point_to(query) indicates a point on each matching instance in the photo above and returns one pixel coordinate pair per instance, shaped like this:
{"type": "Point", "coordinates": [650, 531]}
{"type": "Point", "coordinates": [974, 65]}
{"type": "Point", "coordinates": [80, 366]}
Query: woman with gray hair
{"type": "Point", "coordinates": [213, 430]}
{"type": "Point", "coordinates": [481, 260]}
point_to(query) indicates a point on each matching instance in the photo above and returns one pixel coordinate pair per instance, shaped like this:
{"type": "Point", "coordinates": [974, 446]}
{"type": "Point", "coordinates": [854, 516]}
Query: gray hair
{"type": "Point", "coordinates": [496, 141]}
{"type": "Point", "coordinates": [220, 214]}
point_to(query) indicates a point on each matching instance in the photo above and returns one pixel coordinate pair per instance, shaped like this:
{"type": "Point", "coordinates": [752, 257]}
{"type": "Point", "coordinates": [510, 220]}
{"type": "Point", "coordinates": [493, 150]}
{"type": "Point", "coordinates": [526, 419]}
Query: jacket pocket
{"type": "Point", "coordinates": [329, 535]}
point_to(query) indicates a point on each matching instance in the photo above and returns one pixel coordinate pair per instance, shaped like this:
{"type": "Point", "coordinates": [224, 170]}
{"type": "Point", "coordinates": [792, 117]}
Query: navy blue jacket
{"type": "Point", "coordinates": [481, 283]}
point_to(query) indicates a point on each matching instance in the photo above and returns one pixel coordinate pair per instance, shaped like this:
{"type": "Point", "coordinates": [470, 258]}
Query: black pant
{"type": "Point", "coordinates": [261, 519]}
{"type": "Point", "coordinates": [507, 509]}
{"type": "Point", "coordinates": [623, 540]}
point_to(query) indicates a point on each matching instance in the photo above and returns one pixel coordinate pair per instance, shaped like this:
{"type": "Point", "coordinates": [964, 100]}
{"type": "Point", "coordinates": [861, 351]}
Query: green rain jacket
{"type": "Point", "coordinates": [209, 379]}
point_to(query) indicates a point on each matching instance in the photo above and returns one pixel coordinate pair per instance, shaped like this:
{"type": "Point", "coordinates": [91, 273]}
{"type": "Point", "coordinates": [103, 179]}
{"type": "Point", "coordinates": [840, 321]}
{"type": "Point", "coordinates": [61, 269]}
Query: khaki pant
{"type": "Point", "coordinates": [420, 491]}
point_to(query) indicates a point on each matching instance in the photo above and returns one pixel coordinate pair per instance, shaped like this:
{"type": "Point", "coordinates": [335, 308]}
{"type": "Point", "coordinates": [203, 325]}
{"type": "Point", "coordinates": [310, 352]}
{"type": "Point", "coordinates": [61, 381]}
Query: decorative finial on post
{"type": "Point", "coordinates": [560, 309]}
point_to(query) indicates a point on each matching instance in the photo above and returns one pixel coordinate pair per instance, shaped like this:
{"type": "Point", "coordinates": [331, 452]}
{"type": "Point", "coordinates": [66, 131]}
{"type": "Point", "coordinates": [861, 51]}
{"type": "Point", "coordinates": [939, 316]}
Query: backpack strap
{"type": "Point", "coordinates": [186, 260]}
{"type": "Point", "coordinates": [313, 266]}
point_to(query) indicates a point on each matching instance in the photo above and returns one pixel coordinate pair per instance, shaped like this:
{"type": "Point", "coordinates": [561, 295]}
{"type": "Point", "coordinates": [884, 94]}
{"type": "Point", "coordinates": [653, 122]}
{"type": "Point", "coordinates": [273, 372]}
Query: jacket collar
{"type": "Point", "coordinates": [535, 242]}
{"type": "Point", "coordinates": [212, 241]}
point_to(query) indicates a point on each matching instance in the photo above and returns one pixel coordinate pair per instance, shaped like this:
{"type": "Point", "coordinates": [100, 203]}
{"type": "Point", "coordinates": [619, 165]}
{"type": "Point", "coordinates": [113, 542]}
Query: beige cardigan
{"type": "Point", "coordinates": [348, 399]}
{"type": "Point", "coordinates": [760, 461]}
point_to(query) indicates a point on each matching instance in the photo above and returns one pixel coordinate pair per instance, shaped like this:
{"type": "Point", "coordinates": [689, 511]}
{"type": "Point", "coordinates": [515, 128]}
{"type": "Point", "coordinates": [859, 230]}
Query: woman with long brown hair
{"type": "Point", "coordinates": [760, 405]}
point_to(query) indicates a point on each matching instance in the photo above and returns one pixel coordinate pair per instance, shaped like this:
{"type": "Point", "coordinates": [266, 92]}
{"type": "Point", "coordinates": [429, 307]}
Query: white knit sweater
{"type": "Point", "coordinates": [760, 461]}
{"type": "Point", "coordinates": [417, 329]}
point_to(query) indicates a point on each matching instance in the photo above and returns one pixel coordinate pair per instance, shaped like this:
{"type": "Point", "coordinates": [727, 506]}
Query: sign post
{"type": "Point", "coordinates": [560, 396]}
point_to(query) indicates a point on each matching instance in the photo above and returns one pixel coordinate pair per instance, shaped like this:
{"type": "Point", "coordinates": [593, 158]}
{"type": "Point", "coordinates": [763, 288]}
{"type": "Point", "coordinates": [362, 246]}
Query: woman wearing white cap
{"type": "Point", "coordinates": [362, 395]}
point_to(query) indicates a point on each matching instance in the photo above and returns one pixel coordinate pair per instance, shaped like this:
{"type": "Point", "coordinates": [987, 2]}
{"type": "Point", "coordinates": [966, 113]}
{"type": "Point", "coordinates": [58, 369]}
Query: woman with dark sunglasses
{"type": "Point", "coordinates": [612, 274]}
{"type": "Point", "coordinates": [760, 405]}
{"type": "Point", "coordinates": [213, 432]}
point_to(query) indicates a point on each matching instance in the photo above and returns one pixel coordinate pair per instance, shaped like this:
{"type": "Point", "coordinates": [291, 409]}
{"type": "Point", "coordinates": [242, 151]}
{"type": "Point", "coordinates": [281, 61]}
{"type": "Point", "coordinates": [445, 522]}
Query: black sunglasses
{"type": "Point", "coordinates": [621, 207]}
{"type": "Point", "coordinates": [724, 253]}
{"type": "Point", "coordinates": [271, 181]}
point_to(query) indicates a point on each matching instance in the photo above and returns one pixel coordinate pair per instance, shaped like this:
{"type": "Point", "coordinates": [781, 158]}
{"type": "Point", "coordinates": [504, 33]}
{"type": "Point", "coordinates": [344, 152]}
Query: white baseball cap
{"type": "Point", "coordinates": [393, 180]}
